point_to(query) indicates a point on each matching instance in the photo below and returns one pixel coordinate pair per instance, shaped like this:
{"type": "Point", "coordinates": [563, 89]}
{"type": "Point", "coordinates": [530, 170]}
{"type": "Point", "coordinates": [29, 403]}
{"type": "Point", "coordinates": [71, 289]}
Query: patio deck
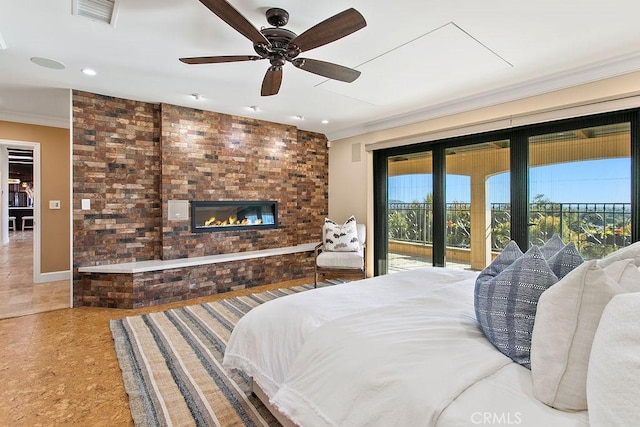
{"type": "Point", "coordinates": [400, 262]}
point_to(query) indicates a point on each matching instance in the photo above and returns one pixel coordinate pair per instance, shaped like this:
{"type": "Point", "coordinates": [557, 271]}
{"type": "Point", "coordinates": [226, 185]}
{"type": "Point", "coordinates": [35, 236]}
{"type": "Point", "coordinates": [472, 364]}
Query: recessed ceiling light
{"type": "Point", "coordinates": [89, 71]}
{"type": "Point", "coordinates": [48, 63]}
{"type": "Point", "coordinates": [298, 117]}
{"type": "Point", "coordinates": [254, 108]}
{"type": "Point", "coordinates": [324, 122]}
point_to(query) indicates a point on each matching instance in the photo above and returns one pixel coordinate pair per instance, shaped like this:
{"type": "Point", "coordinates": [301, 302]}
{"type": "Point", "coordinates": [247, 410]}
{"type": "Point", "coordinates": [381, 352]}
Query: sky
{"type": "Point", "coordinates": [593, 181]}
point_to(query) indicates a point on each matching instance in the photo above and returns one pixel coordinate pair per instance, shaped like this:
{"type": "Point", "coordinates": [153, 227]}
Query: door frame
{"type": "Point", "coordinates": [4, 203]}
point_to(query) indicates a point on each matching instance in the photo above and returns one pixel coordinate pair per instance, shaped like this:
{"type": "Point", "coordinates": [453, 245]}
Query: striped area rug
{"type": "Point", "coordinates": [171, 364]}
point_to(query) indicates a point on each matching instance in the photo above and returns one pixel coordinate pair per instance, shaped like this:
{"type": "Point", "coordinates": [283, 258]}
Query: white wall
{"type": "Point", "coordinates": [348, 181]}
{"type": "Point", "coordinates": [351, 183]}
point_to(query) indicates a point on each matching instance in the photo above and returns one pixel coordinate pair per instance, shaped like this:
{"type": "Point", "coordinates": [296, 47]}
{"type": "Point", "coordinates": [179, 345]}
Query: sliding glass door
{"type": "Point", "coordinates": [458, 202]}
{"type": "Point", "coordinates": [410, 211]}
{"type": "Point", "coordinates": [476, 213]}
{"type": "Point", "coordinates": [477, 203]}
{"type": "Point", "coordinates": [580, 188]}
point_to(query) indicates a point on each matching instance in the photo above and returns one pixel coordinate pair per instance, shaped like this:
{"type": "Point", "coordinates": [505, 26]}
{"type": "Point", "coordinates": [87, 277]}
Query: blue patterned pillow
{"type": "Point", "coordinates": [509, 254]}
{"type": "Point", "coordinates": [565, 260]}
{"type": "Point", "coordinates": [552, 246]}
{"type": "Point", "coordinates": [506, 304]}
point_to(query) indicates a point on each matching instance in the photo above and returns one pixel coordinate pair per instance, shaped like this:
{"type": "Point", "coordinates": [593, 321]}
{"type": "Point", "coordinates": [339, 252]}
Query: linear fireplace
{"type": "Point", "coordinates": [233, 215]}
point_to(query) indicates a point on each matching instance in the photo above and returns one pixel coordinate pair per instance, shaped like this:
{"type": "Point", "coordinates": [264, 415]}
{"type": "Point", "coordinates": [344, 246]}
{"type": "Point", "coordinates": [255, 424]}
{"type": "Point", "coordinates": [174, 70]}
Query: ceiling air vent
{"type": "Point", "coordinates": [98, 10]}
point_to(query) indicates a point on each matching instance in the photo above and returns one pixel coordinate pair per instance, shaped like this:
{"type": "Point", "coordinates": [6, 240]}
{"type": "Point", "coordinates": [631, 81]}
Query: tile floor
{"type": "Point", "coordinates": [18, 294]}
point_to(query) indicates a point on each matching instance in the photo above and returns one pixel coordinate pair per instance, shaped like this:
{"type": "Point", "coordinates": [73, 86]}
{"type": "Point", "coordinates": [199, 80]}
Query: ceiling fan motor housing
{"type": "Point", "coordinates": [279, 39]}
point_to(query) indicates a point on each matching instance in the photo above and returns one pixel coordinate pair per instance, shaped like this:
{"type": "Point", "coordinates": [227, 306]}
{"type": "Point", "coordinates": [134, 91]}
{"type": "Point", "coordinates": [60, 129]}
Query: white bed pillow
{"type": "Point", "coordinates": [613, 380]}
{"type": "Point", "coordinates": [341, 238]}
{"type": "Point", "coordinates": [629, 252]}
{"type": "Point", "coordinates": [566, 320]}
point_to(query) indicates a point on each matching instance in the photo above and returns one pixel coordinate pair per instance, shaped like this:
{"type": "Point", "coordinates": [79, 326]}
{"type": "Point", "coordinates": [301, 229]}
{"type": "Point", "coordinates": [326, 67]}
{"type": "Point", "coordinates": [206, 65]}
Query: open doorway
{"type": "Point", "coordinates": [21, 189]}
{"type": "Point", "coordinates": [22, 285]}
{"type": "Point", "coordinates": [20, 172]}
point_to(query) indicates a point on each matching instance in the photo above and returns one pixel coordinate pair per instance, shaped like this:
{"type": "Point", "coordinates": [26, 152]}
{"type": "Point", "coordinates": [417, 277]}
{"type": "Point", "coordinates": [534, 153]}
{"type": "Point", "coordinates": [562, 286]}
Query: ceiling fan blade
{"type": "Point", "coordinates": [329, 30]}
{"type": "Point", "coordinates": [231, 16]}
{"type": "Point", "coordinates": [219, 59]}
{"type": "Point", "coordinates": [327, 69]}
{"type": "Point", "coordinates": [272, 81]}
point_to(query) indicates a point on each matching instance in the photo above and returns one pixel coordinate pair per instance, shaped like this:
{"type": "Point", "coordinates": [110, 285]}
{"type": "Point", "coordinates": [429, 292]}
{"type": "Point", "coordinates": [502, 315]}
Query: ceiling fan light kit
{"type": "Point", "coordinates": [279, 45]}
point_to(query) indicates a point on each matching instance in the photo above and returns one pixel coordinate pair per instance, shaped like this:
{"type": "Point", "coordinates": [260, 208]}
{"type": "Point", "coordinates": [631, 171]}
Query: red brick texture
{"type": "Point", "coordinates": [130, 158]}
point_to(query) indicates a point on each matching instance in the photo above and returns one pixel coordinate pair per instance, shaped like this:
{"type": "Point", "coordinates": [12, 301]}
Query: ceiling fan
{"type": "Point", "coordinates": [279, 45]}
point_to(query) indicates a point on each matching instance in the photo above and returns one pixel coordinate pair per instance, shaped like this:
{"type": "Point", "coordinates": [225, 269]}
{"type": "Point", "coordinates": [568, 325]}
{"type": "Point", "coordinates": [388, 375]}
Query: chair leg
{"type": "Point", "coordinates": [315, 280]}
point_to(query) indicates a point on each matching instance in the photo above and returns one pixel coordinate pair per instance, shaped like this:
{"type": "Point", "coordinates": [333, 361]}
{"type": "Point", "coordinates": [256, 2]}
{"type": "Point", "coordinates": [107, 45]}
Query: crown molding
{"type": "Point", "coordinates": [593, 72]}
{"type": "Point", "coordinates": [35, 119]}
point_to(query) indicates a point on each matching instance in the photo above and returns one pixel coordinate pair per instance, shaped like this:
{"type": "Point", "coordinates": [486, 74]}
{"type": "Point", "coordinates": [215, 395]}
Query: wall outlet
{"type": "Point", "coordinates": [54, 204]}
{"type": "Point", "coordinates": [86, 204]}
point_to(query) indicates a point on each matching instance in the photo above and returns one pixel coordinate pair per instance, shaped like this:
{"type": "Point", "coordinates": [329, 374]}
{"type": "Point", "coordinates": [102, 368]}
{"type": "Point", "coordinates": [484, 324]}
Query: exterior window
{"type": "Point", "coordinates": [580, 188]}
{"type": "Point", "coordinates": [477, 203]}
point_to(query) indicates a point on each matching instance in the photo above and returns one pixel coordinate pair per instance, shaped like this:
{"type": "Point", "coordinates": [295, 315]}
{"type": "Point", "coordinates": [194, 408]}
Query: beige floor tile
{"type": "Point", "coordinates": [19, 296]}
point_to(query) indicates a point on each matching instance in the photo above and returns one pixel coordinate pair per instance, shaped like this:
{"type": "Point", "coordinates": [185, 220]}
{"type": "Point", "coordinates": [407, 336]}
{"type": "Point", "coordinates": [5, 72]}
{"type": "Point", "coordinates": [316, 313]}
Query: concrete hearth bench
{"type": "Point", "coordinates": [158, 265]}
{"type": "Point", "coordinates": [147, 283]}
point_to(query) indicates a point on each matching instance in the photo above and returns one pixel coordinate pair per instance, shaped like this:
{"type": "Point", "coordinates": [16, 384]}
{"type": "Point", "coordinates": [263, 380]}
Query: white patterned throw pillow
{"type": "Point", "coordinates": [341, 238]}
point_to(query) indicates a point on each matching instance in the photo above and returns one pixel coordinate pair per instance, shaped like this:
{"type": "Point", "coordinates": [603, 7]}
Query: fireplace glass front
{"type": "Point", "coordinates": [233, 215]}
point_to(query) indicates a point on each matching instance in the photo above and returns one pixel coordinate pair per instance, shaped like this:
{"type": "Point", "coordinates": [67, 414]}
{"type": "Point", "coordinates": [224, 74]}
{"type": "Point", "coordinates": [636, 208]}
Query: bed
{"type": "Point", "coordinates": [403, 349]}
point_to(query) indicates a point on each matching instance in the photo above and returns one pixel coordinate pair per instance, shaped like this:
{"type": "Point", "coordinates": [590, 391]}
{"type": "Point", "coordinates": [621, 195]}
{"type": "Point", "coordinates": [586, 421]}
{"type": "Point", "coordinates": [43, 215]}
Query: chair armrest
{"type": "Point", "coordinates": [319, 247]}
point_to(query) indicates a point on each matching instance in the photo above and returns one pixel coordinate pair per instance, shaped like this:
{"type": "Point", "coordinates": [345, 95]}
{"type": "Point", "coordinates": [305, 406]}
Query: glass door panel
{"type": "Point", "coordinates": [580, 188]}
{"type": "Point", "coordinates": [410, 211]}
{"type": "Point", "coordinates": [477, 203]}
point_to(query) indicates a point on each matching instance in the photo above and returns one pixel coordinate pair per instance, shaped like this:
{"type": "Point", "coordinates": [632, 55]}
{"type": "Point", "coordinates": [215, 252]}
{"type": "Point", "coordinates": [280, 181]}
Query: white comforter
{"type": "Point", "coordinates": [396, 350]}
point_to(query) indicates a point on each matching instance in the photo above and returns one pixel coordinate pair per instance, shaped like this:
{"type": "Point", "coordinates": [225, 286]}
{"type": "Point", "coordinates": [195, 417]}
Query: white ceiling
{"type": "Point", "coordinates": [419, 58]}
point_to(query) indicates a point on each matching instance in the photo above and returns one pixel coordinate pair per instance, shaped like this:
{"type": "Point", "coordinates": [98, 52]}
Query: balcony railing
{"type": "Point", "coordinates": [596, 229]}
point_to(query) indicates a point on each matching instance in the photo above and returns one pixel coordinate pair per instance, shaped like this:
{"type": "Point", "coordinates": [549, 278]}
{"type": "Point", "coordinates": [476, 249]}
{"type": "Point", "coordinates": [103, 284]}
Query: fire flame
{"type": "Point", "coordinates": [230, 221]}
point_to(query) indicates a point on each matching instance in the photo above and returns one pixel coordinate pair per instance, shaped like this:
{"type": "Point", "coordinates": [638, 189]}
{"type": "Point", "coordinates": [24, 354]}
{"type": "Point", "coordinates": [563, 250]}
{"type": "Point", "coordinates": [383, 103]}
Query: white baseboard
{"type": "Point", "coordinates": [53, 277]}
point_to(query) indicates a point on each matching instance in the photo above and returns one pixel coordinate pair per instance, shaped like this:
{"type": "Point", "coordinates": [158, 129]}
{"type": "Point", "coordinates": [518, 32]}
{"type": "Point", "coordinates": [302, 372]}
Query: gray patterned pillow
{"type": "Point", "coordinates": [509, 254]}
{"type": "Point", "coordinates": [506, 304]}
{"type": "Point", "coordinates": [341, 238]}
{"type": "Point", "coordinates": [565, 260]}
{"type": "Point", "coordinates": [552, 246]}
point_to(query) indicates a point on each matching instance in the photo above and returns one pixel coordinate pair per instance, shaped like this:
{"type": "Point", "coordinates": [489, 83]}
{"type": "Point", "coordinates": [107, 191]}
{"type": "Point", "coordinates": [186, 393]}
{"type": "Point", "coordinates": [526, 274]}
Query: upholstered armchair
{"type": "Point", "coordinates": [337, 259]}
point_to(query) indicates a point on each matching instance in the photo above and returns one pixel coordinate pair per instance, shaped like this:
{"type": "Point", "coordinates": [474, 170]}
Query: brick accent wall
{"type": "Point", "coordinates": [210, 156]}
{"type": "Point", "coordinates": [131, 157]}
{"type": "Point", "coordinates": [116, 165]}
{"type": "Point", "coordinates": [312, 183]}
